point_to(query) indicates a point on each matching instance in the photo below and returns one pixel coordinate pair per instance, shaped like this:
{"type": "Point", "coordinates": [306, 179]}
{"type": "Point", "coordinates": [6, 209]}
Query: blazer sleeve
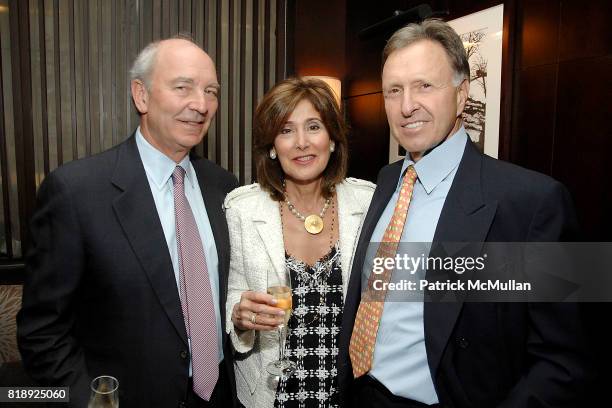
{"type": "Point", "coordinates": [54, 266]}
{"type": "Point", "coordinates": [241, 340]}
{"type": "Point", "coordinates": [559, 362]}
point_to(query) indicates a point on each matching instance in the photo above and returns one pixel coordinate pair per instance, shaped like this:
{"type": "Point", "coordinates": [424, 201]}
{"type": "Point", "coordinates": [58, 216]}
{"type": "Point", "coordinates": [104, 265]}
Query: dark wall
{"type": "Point", "coordinates": [319, 30]}
{"type": "Point", "coordinates": [562, 109]}
{"type": "Point", "coordinates": [555, 97]}
{"type": "Point", "coordinates": [561, 123]}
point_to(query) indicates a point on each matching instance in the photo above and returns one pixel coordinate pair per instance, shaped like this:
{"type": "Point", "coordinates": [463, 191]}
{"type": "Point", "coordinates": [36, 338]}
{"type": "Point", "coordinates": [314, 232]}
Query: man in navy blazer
{"type": "Point", "coordinates": [458, 354]}
{"type": "Point", "coordinates": [101, 289]}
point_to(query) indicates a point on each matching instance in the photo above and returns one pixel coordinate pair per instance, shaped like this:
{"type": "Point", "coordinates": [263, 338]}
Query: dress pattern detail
{"type": "Point", "coordinates": [314, 325]}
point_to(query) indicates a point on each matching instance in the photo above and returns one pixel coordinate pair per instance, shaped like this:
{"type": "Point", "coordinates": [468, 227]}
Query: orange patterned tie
{"type": "Point", "coordinates": [363, 339]}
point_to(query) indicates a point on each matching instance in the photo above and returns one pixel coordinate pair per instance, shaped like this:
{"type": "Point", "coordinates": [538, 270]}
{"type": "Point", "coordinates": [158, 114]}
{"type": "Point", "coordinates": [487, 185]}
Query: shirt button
{"type": "Point", "coordinates": [463, 342]}
{"type": "Point", "coordinates": [184, 354]}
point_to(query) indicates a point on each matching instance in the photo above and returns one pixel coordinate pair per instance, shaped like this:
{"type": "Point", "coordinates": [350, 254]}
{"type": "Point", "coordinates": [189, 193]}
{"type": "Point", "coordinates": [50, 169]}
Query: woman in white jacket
{"type": "Point", "coordinates": [301, 159]}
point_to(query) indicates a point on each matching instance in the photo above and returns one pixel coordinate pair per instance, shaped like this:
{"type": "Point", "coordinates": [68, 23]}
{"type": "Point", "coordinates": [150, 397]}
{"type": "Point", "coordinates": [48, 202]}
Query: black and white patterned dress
{"type": "Point", "coordinates": [312, 342]}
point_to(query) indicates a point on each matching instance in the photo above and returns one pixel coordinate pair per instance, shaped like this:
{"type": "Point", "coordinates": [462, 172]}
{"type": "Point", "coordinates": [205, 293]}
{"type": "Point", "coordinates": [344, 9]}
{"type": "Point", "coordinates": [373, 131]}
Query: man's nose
{"type": "Point", "coordinates": [409, 104]}
{"type": "Point", "coordinates": [198, 103]}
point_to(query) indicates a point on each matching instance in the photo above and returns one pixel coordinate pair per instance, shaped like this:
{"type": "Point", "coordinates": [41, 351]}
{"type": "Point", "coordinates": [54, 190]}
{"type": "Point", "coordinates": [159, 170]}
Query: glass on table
{"type": "Point", "coordinates": [104, 392]}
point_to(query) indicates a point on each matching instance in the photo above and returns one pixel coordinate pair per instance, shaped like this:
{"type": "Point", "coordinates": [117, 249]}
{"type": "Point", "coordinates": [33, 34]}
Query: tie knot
{"type": "Point", "coordinates": [178, 175]}
{"type": "Point", "coordinates": [410, 176]}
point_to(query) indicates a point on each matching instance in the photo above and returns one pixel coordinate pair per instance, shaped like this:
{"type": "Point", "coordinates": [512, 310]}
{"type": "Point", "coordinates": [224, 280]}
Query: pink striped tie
{"type": "Point", "coordinates": [195, 293]}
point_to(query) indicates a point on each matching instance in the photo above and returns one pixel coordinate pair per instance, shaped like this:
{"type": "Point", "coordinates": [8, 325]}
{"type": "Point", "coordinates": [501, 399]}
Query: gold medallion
{"type": "Point", "coordinates": [313, 224]}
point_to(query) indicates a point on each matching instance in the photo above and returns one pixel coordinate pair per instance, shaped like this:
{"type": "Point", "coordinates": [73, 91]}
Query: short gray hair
{"type": "Point", "coordinates": [143, 64]}
{"type": "Point", "coordinates": [145, 61]}
{"type": "Point", "coordinates": [436, 30]}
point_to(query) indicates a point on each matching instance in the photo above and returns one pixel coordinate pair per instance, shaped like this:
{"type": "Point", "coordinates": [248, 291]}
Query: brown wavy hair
{"type": "Point", "coordinates": [272, 114]}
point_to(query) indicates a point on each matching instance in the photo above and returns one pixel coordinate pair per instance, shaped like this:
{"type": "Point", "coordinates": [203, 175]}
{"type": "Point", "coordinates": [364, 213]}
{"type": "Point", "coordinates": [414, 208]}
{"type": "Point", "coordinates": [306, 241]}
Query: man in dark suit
{"type": "Point", "coordinates": [454, 354]}
{"type": "Point", "coordinates": [127, 273]}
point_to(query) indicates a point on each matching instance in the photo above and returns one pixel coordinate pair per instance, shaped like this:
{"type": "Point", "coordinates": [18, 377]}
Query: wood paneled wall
{"type": "Point", "coordinates": [65, 86]}
{"type": "Point", "coordinates": [561, 122]}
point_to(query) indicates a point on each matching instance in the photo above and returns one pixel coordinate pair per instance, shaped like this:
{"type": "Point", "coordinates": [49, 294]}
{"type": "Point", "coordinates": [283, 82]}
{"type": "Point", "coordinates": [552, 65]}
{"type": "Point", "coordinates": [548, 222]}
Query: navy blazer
{"type": "Point", "coordinates": [489, 354]}
{"type": "Point", "coordinates": [100, 295]}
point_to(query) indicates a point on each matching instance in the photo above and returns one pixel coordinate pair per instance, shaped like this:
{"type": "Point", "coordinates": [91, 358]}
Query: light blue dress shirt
{"type": "Point", "coordinates": [400, 358]}
{"type": "Point", "coordinates": [159, 168]}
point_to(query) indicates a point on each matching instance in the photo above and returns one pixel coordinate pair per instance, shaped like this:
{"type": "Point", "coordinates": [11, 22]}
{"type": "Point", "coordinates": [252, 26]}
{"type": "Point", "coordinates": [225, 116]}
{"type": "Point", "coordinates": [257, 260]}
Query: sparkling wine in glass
{"type": "Point", "coordinates": [282, 293]}
{"type": "Point", "coordinates": [104, 392]}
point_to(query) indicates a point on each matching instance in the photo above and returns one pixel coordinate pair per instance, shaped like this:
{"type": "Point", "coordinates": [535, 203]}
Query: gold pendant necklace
{"type": "Point", "coordinates": [313, 223]}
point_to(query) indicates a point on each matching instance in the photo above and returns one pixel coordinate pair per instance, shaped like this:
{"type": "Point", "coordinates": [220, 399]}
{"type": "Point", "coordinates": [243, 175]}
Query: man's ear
{"type": "Point", "coordinates": [463, 92]}
{"type": "Point", "coordinates": [140, 96]}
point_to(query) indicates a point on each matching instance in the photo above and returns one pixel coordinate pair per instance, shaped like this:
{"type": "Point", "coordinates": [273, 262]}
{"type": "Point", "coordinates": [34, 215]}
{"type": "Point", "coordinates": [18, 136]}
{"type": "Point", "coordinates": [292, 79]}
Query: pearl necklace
{"type": "Point", "coordinates": [312, 223]}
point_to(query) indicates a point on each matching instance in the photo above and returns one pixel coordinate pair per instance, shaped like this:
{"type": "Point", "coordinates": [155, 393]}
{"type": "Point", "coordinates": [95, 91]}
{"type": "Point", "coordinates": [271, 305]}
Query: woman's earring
{"type": "Point", "coordinates": [332, 147]}
{"type": "Point", "coordinates": [272, 153]}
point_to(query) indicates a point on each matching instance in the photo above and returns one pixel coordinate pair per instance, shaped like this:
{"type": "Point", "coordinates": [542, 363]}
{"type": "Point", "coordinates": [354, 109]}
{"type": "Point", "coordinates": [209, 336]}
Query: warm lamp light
{"type": "Point", "coordinates": [333, 83]}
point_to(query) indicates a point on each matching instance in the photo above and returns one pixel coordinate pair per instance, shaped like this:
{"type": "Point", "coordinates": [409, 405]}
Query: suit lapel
{"type": "Point", "coordinates": [137, 214]}
{"type": "Point", "coordinates": [465, 218]}
{"type": "Point", "coordinates": [380, 199]}
{"type": "Point", "coordinates": [213, 200]}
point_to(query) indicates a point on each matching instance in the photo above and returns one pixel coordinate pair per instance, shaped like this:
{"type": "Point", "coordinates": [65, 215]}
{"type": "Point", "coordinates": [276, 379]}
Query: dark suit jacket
{"type": "Point", "coordinates": [489, 354]}
{"type": "Point", "coordinates": [100, 295]}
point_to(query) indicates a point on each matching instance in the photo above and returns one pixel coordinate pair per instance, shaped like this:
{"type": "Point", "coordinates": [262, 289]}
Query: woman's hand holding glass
{"type": "Point", "coordinates": [257, 311]}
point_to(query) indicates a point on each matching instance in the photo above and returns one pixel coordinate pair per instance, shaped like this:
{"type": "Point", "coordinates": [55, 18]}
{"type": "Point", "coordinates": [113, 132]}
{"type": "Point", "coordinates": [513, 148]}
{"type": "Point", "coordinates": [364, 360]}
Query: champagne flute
{"type": "Point", "coordinates": [282, 293]}
{"type": "Point", "coordinates": [104, 392]}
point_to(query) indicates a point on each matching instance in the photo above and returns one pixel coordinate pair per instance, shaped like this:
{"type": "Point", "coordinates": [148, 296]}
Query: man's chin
{"type": "Point", "coordinates": [193, 136]}
{"type": "Point", "coordinates": [187, 143]}
{"type": "Point", "coordinates": [412, 144]}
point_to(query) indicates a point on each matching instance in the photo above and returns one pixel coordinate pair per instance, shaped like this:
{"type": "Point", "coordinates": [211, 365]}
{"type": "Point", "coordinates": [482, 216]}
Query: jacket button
{"type": "Point", "coordinates": [184, 354]}
{"type": "Point", "coordinates": [182, 404]}
{"type": "Point", "coordinates": [463, 342]}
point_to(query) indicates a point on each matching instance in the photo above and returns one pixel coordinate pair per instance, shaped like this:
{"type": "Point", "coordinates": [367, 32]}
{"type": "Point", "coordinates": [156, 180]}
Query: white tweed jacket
{"type": "Point", "coordinates": [257, 249]}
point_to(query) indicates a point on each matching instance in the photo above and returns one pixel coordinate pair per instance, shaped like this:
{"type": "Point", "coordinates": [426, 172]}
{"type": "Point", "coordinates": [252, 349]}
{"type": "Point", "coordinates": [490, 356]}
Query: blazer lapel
{"type": "Point", "coordinates": [465, 218]}
{"type": "Point", "coordinates": [267, 220]}
{"type": "Point", "coordinates": [350, 212]}
{"type": "Point", "coordinates": [384, 190]}
{"type": "Point", "coordinates": [137, 214]}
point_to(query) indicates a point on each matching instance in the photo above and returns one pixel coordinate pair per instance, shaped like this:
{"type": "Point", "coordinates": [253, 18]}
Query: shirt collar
{"type": "Point", "coordinates": [158, 166]}
{"type": "Point", "coordinates": [436, 165]}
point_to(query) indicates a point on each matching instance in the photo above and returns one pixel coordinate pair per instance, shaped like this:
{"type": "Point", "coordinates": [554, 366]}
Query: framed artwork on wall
{"type": "Point", "coordinates": [482, 36]}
